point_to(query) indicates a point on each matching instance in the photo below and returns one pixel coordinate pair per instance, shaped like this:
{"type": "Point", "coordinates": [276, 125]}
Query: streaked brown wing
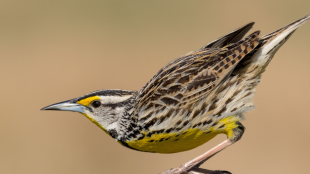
{"type": "Point", "coordinates": [188, 79]}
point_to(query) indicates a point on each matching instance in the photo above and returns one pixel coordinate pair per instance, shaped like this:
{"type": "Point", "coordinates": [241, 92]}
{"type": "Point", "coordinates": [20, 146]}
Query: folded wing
{"type": "Point", "coordinates": [174, 90]}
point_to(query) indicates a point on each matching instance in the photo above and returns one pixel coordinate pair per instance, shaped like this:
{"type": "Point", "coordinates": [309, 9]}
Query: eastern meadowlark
{"type": "Point", "coordinates": [189, 101]}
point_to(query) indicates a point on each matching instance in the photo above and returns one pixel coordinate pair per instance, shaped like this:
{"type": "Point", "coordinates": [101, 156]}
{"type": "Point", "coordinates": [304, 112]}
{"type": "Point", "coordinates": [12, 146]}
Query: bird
{"type": "Point", "coordinates": [190, 100]}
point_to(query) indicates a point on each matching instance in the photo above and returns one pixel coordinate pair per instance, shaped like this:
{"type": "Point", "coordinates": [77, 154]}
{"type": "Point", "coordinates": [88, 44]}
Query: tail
{"type": "Point", "coordinates": [255, 63]}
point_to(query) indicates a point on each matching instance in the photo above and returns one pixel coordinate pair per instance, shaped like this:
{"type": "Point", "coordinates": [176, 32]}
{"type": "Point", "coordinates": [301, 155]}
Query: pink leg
{"type": "Point", "coordinates": [192, 166]}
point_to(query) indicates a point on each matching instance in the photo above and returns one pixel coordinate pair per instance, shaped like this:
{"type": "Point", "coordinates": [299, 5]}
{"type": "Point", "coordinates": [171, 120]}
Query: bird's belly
{"type": "Point", "coordinates": [172, 142]}
{"type": "Point", "coordinates": [177, 142]}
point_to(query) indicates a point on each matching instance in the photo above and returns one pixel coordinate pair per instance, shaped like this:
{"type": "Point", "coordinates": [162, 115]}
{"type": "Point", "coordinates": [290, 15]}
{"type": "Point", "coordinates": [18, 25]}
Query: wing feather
{"type": "Point", "coordinates": [174, 90]}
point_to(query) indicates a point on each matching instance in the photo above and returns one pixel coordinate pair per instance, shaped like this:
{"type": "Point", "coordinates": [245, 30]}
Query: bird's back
{"type": "Point", "coordinates": [205, 92]}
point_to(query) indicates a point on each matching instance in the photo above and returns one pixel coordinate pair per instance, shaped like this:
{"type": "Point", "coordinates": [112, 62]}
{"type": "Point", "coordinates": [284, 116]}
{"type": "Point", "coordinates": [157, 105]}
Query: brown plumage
{"type": "Point", "coordinates": [179, 86]}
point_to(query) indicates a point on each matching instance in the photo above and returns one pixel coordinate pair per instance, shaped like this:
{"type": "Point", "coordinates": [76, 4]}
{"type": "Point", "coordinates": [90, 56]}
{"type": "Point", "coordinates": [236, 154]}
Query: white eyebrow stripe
{"type": "Point", "coordinates": [113, 99]}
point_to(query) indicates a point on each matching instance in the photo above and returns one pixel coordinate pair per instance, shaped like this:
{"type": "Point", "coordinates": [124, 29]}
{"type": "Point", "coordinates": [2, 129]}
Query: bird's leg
{"type": "Point", "coordinates": [192, 167]}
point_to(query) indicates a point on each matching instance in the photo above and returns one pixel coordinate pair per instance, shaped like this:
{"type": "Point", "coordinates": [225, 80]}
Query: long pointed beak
{"type": "Point", "coordinates": [66, 106]}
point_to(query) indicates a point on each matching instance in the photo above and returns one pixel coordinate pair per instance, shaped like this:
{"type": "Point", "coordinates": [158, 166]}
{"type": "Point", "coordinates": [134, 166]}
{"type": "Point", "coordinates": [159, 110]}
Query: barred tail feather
{"type": "Point", "coordinates": [234, 96]}
{"type": "Point", "coordinates": [254, 64]}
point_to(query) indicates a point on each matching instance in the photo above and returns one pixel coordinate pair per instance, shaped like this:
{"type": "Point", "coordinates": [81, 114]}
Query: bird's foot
{"type": "Point", "coordinates": [192, 167]}
{"type": "Point", "coordinates": [194, 170]}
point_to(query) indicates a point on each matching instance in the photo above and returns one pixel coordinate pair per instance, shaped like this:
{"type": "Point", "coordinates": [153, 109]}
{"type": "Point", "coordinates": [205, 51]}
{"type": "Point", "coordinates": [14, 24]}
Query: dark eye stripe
{"type": "Point", "coordinates": [113, 106]}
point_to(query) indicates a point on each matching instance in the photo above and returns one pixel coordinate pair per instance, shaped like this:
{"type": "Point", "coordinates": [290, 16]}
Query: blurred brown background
{"type": "Point", "coordinates": [60, 49]}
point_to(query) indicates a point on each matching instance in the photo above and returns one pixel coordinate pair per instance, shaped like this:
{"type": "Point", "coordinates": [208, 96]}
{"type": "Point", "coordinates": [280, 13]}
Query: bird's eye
{"type": "Point", "coordinates": [96, 104]}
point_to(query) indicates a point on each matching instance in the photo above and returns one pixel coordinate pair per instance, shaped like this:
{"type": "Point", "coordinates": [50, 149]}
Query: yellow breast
{"type": "Point", "coordinates": [171, 143]}
{"type": "Point", "coordinates": [189, 139]}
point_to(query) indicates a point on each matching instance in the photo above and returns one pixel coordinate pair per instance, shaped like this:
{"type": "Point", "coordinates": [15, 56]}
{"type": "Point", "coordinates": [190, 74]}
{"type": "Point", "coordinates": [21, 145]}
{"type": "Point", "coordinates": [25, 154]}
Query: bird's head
{"type": "Point", "coordinates": [104, 108]}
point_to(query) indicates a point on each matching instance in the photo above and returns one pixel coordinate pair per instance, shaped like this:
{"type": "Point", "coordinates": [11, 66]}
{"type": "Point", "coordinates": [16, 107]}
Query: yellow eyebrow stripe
{"type": "Point", "coordinates": [87, 101]}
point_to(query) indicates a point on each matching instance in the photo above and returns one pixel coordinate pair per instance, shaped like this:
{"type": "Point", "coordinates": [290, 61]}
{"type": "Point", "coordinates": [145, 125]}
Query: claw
{"type": "Point", "coordinates": [205, 171]}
